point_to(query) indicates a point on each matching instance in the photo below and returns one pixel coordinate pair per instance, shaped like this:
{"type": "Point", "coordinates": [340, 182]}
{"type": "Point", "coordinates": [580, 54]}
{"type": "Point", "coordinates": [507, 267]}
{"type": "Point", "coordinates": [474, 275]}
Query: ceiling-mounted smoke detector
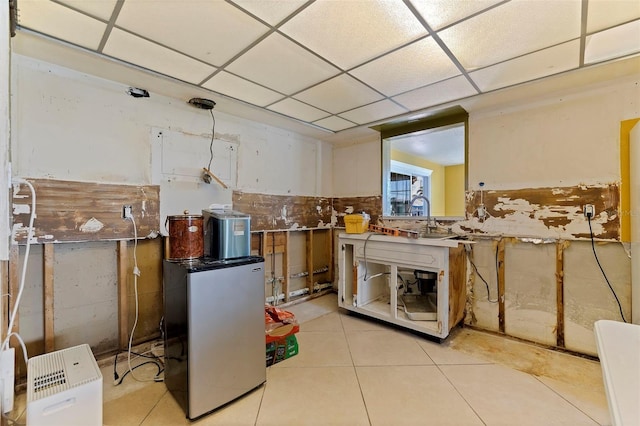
{"type": "Point", "coordinates": [202, 103]}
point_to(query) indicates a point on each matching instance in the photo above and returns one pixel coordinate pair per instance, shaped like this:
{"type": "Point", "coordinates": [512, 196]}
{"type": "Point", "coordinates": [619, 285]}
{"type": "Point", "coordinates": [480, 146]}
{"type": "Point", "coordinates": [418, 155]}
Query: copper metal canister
{"type": "Point", "coordinates": [186, 238]}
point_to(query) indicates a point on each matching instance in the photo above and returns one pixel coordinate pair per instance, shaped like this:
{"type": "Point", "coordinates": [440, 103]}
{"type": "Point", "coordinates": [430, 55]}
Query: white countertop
{"type": "Point", "coordinates": [445, 241]}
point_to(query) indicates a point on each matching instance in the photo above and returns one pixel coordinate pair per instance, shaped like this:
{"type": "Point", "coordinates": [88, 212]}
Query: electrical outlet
{"type": "Point", "coordinates": [127, 211]}
{"type": "Point", "coordinates": [481, 211]}
{"type": "Point", "coordinates": [589, 211]}
{"type": "Point", "coordinates": [7, 377]}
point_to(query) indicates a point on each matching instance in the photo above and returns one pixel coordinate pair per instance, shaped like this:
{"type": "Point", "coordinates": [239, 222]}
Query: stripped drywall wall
{"type": "Point", "coordinates": [86, 131]}
{"type": "Point", "coordinates": [544, 212]}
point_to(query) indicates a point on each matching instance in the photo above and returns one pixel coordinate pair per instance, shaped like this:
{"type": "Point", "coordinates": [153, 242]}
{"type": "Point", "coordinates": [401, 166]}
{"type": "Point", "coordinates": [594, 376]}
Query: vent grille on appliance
{"type": "Point", "coordinates": [48, 380]}
{"type": "Point", "coordinates": [58, 371]}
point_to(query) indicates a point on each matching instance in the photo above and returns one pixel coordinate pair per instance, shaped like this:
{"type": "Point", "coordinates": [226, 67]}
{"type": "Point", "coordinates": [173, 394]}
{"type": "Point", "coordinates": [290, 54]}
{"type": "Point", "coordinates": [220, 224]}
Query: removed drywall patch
{"type": "Point", "coordinates": [92, 225]}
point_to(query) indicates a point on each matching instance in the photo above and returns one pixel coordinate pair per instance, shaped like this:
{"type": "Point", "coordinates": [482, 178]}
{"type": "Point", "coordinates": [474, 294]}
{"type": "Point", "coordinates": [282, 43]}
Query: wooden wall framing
{"type": "Point", "coordinates": [318, 259]}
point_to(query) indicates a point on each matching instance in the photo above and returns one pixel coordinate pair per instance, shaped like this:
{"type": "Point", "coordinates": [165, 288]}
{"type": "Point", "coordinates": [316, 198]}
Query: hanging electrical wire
{"type": "Point", "coordinates": [593, 247]}
{"type": "Point", "coordinates": [213, 132]}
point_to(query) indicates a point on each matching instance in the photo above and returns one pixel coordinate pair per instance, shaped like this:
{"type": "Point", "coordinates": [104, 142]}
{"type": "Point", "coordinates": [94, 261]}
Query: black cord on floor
{"type": "Point", "coordinates": [156, 378]}
{"type": "Point", "coordinates": [593, 246]}
{"type": "Point", "coordinates": [155, 361]}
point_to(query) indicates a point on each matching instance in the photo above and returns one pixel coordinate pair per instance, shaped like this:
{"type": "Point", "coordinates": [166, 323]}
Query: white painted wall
{"type": "Point", "coordinates": [5, 55]}
{"type": "Point", "coordinates": [75, 126]}
{"type": "Point", "coordinates": [357, 169]}
{"type": "Point", "coordinates": [556, 141]}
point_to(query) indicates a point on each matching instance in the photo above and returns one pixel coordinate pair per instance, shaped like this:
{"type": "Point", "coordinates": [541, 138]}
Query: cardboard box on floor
{"type": "Point", "coordinates": [281, 342]}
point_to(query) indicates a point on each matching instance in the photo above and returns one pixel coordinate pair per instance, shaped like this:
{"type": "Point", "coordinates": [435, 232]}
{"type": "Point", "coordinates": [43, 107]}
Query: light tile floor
{"type": "Point", "coordinates": [355, 371]}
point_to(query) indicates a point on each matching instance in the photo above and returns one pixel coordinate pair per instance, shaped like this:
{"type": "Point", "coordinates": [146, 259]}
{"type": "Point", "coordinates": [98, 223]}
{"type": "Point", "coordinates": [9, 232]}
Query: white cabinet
{"type": "Point", "coordinates": [379, 278]}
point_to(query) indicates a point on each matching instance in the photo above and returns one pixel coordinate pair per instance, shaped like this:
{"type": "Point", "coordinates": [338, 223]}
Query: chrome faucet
{"type": "Point", "coordinates": [413, 200]}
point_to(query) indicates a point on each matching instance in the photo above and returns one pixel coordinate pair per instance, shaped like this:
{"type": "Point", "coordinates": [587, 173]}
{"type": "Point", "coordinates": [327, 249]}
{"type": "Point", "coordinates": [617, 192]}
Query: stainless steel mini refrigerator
{"type": "Point", "coordinates": [214, 331]}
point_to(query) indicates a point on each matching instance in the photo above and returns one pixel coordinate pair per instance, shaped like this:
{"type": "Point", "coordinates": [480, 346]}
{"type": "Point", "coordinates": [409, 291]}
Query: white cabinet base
{"type": "Point", "coordinates": [376, 270]}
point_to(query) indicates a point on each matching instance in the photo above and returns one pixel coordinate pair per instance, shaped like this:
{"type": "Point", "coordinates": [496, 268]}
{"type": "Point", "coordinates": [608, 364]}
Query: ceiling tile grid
{"type": "Point", "coordinates": [340, 64]}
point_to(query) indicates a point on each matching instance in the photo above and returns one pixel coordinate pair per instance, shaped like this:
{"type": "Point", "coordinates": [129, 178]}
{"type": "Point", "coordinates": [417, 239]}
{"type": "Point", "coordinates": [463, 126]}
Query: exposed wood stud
{"type": "Point", "coordinates": [48, 298]}
{"type": "Point", "coordinates": [286, 266]}
{"type": "Point", "coordinates": [4, 289]}
{"type": "Point", "coordinates": [329, 251]}
{"type": "Point", "coordinates": [14, 284]}
{"type": "Point", "coordinates": [560, 247]}
{"type": "Point", "coordinates": [309, 254]}
{"type": "Point", "coordinates": [123, 299]}
{"type": "Point", "coordinates": [501, 286]}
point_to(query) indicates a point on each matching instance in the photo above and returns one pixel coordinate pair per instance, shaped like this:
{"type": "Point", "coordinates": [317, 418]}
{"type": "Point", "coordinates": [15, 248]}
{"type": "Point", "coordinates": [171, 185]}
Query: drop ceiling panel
{"type": "Point", "coordinates": [606, 13]}
{"type": "Point", "coordinates": [512, 29]}
{"type": "Point", "coordinates": [615, 42]}
{"type": "Point", "coordinates": [61, 22]}
{"type": "Point", "coordinates": [146, 54]}
{"type": "Point", "coordinates": [282, 65]}
{"type": "Point", "coordinates": [366, 60]}
{"type": "Point", "coordinates": [529, 67]}
{"type": "Point", "coordinates": [416, 65]}
{"type": "Point", "coordinates": [239, 88]}
{"type": "Point", "coordinates": [435, 94]}
{"type": "Point", "coordinates": [347, 33]}
{"type": "Point", "coordinates": [297, 109]}
{"type": "Point", "coordinates": [373, 112]}
{"type": "Point", "coordinates": [339, 94]}
{"type": "Point", "coordinates": [212, 31]}
{"type": "Point", "coordinates": [273, 11]}
{"type": "Point", "coordinates": [334, 123]}
{"type": "Point", "coordinates": [102, 9]}
{"type": "Point", "coordinates": [440, 13]}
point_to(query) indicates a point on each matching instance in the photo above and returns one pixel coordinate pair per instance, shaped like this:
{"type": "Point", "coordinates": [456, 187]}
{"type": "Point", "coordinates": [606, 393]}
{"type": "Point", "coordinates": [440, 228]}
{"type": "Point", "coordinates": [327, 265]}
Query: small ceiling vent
{"type": "Point", "coordinates": [202, 103]}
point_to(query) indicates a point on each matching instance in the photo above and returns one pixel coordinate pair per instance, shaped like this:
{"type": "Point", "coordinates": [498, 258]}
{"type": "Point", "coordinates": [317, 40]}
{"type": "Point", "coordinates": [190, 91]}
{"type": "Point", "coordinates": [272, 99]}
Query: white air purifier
{"type": "Point", "coordinates": [64, 388]}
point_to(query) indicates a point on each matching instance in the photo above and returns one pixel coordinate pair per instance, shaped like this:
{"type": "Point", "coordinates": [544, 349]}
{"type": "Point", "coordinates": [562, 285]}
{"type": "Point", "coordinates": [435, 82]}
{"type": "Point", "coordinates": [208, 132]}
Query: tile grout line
{"type": "Point", "coordinates": [563, 397]}
{"type": "Point", "coordinates": [355, 370]}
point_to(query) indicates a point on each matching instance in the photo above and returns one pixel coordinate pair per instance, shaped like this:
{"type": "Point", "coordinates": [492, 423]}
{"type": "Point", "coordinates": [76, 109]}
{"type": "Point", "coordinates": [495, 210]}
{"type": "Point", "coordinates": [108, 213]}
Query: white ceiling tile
{"type": "Point", "coordinates": [99, 8]}
{"type": "Point", "coordinates": [348, 33]}
{"type": "Point", "coordinates": [435, 94]}
{"type": "Point", "coordinates": [339, 94]}
{"type": "Point", "coordinates": [141, 52]}
{"type": "Point", "coordinates": [334, 123]}
{"type": "Point", "coordinates": [607, 13]}
{"type": "Point", "coordinates": [212, 31]}
{"type": "Point", "coordinates": [440, 13]}
{"type": "Point", "coordinates": [512, 29]}
{"type": "Point", "coordinates": [60, 22]}
{"type": "Point", "coordinates": [236, 87]}
{"type": "Point", "coordinates": [612, 43]}
{"type": "Point", "coordinates": [373, 112]}
{"type": "Point", "coordinates": [282, 65]}
{"type": "Point", "coordinates": [416, 65]}
{"type": "Point", "coordinates": [529, 67]}
{"type": "Point", "coordinates": [272, 11]}
{"type": "Point", "coordinates": [297, 109]}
